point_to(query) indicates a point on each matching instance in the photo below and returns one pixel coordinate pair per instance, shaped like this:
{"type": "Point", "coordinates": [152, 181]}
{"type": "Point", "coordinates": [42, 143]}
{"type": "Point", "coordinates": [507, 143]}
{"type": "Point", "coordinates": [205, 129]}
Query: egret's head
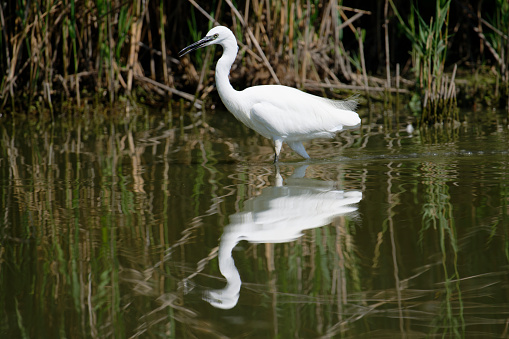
{"type": "Point", "coordinates": [217, 35]}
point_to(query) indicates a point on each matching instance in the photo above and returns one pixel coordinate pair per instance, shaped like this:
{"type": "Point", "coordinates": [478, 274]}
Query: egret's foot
{"type": "Point", "coordinates": [276, 158]}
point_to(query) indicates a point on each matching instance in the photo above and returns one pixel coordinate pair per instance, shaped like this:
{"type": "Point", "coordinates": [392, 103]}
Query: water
{"type": "Point", "coordinates": [124, 227]}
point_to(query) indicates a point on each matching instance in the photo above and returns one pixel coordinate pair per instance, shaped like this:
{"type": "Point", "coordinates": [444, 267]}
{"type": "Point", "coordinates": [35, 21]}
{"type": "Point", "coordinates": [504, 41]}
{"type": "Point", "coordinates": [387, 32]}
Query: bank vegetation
{"type": "Point", "coordinates": [64, 54]}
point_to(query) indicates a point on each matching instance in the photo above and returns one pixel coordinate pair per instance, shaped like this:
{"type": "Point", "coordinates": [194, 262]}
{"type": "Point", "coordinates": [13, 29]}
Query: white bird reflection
{"type": "Point", "coordinates": [280, 214]}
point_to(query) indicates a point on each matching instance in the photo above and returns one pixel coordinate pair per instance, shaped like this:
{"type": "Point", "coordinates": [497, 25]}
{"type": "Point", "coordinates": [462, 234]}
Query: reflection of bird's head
{"type": "Point", "coordinates": [221, 298]}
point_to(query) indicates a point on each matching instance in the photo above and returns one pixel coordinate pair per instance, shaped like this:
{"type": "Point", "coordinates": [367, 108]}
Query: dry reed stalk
{"type": "Point", "coordinates": [11, 77]}
{"type": "Point", "coordinates": [284, 28]}
{"type": "Point", "coordinates": [133, 50]}
{"type": "Point", "coordinates": [246, 10]}
{"type": "Point", "coordinates": [88, 34]}
{"type": "Point", "coordinates": [363, 63]}
{"type": "Point", "coordinates": [78, 92]}
{"type": "Point", "coordinates": [343, 61]}
{"type": "Point", "coordinates": [162, 25]}
{"type": "Point", "coordinates": [203, 71]}
{"type": "Point", "coordinates": [151, 46]}
{"type": "Point", "coordinates": [258, 10]}
{"type": "Point", "coordinates": [315, 85]}
{"type": "Point", "coordinates": [386, 33]}
{"type": "Point", "coordinates": [65, 50]}
{"type": "Point", "coordinates": [330, 73]}
{"type": "Point", "coordinates": [338, 60]}
{"type": "Point", "coordinates": [120, 79]}
{"type": "Point", "coordinates": [4, 32]}
{"type": "Point", "coordinates": [187, 96]}
{"type": "Point", "coordinates": [305, 53]}
{"type": "Point", "coordinates": [291, 26]}
{"type": "Point", "coordinates": [111, 85]}
{"type": "Point", "coordinates": [348, 21]}
{"type": "Point", "coordinates": [452, 87]}
{"type": "Point", "coordinates": [397, 86]}
{"type": "Point", "coordinates": [327, 19]}
{"type": "Point", "coordinates": [264, 37]}
{"type": "Point", "coordinates": [267, 13]}
{"type": "Point", "coordinates": [47, 95]}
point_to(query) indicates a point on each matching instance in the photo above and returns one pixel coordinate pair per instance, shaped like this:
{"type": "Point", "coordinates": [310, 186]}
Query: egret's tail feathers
{"type": "Point", "coordinates": [349, 104]}
{"type": "Point", "coordinates": [352, 102]}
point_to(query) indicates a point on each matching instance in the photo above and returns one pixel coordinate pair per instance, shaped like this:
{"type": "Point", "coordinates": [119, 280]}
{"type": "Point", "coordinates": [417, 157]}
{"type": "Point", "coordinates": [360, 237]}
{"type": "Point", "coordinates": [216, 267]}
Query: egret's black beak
{"type": "Point", "coordinates": [196, 45]}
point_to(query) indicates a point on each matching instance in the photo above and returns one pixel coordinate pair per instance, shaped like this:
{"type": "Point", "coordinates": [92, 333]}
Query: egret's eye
{"type": "Point", "coordinates": [216, 35]}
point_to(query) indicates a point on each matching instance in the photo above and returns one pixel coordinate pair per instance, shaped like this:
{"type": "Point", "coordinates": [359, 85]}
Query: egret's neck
{"type": "Point", "coordinates": [224, 64]}
{"type": "Point", "coordinates": [226, 262]}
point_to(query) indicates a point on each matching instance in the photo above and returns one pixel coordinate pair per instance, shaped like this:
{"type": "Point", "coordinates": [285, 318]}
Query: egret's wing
{"type": "Point", "coordinates": [289, 113]}
{"type": "Point", "coordinates": [287, 121]}
{"type": "Point", "coordinates": [270, 120]}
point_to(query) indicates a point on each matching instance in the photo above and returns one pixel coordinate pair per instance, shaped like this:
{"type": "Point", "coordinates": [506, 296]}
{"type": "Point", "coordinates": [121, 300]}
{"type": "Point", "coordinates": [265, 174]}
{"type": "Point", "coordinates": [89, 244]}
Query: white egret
{"type": "Point", "coordinates": [280, 113]}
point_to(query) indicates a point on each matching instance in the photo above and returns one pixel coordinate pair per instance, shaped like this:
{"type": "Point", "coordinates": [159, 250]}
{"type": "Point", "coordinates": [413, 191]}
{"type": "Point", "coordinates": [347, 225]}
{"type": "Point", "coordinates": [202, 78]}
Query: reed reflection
{"type": "Point", "coordinates": [279, 214]}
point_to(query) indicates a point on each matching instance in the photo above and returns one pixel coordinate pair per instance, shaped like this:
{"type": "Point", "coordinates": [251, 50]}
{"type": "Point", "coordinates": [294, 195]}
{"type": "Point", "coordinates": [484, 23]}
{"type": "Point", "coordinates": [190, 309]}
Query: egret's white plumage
{"type": "Point", "coordinates": [280, 113]}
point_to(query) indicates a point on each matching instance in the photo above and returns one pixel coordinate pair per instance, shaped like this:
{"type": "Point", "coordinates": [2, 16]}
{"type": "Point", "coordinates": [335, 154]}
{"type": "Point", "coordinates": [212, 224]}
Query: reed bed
{"type": "Point", "coordinates": [57, 55]}
{"type": "Point", "coordinates": [429, 50]}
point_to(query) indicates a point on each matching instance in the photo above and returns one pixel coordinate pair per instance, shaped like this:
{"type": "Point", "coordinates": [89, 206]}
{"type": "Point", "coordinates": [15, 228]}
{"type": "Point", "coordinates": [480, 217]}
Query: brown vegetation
{"type": "Point", "coordinates": [55, 52]}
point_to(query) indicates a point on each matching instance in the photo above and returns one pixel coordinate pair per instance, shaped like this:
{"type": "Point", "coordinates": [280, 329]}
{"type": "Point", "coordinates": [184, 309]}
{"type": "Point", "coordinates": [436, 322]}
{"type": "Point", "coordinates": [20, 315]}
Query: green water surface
{"type": "Point", "coordinates": [128, 227]}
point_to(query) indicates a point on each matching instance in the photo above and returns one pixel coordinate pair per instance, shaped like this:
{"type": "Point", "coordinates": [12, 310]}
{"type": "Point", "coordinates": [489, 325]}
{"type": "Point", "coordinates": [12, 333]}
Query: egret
{"type": "Point", "coordinates": [280, 113]}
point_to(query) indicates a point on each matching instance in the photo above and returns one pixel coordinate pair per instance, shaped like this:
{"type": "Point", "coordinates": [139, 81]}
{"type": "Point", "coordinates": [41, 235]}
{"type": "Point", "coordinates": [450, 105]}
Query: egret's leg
{"type": "Point", "coordinates": [278, 143]}
{"type": "Point", "coordinates": [298, 147]}
{"type": "Point", "coordinates": [279, 178]}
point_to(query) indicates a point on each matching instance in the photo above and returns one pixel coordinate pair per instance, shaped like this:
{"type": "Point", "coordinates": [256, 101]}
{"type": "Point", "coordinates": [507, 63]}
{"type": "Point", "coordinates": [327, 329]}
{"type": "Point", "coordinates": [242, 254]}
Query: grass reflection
{"type": "Point", "coordinates": [112, 227]}
{"type": "Point", "coordinates": [437, 216]}
{"type": "Point", "coordinates": [86, 212]}
{"type": "Point", "coordinates": [432, 282]}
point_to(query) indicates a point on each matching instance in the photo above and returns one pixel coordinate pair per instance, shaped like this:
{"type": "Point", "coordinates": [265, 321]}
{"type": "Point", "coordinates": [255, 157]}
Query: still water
{"type": "Point", "coordinates": [131, 227]}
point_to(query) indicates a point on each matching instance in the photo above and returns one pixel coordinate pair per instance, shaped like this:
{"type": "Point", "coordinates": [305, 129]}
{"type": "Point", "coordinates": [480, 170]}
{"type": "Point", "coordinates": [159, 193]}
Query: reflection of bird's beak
{"type": "Point", "coordinates": [195, 46]}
